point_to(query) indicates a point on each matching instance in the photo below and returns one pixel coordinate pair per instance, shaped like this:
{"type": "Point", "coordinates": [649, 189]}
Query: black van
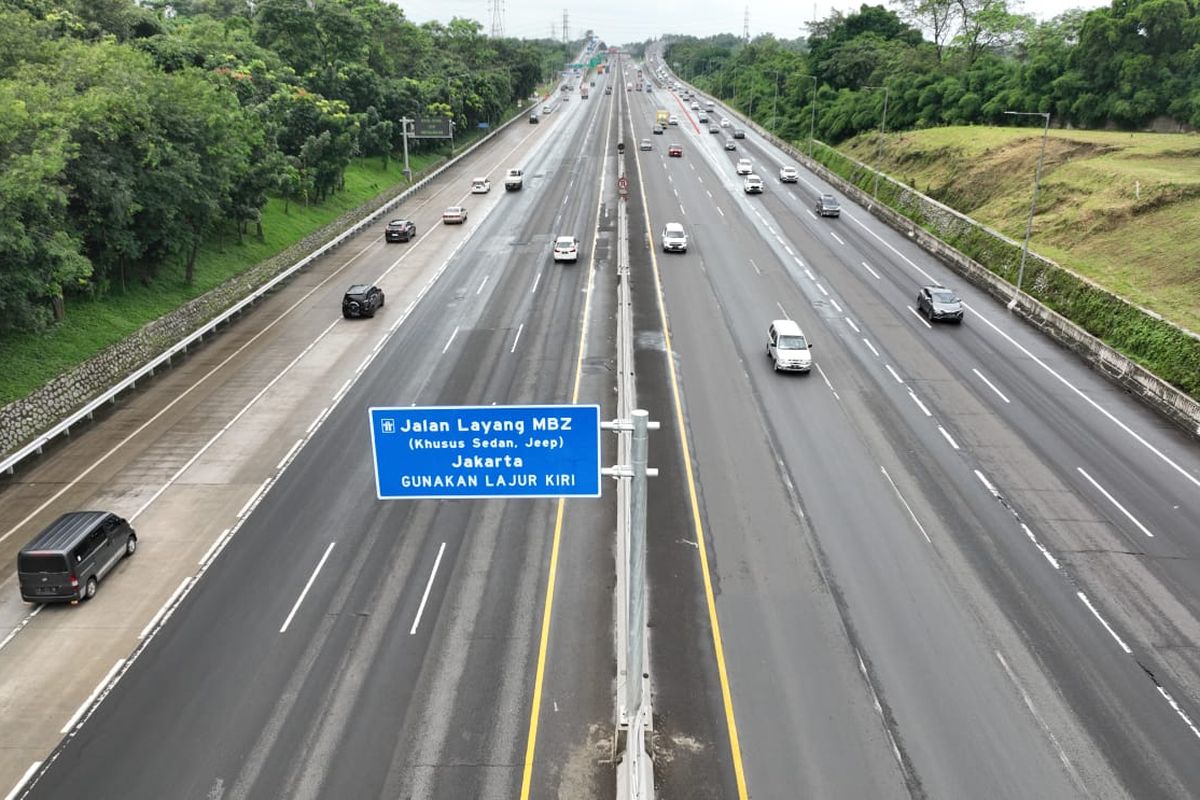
{"type": "Point", "coordinates": [66, 561]}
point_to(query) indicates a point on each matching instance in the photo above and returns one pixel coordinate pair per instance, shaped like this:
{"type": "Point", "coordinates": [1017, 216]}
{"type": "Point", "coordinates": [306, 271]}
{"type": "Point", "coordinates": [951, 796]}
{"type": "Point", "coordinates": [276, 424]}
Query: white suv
{"type": "Point", "coordinates": [753, 184]}
{"type": "Point", "coordinates": [744, 167]}
{"type": "Point", "coordinates": [787, 348]}
{"type": "Point", "coordinates": [674, 239]}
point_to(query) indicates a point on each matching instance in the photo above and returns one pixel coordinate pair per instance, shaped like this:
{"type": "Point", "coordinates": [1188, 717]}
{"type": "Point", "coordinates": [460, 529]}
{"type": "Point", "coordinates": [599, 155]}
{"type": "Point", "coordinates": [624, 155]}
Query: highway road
{"type": "Point", "coordinates": [949, 562]}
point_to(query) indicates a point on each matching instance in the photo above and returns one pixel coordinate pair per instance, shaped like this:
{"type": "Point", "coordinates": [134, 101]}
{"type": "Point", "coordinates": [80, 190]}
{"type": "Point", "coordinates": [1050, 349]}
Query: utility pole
{"type": "Point", "coordinates": [1037, 184]}
{"type": "Point", "coordinates": [566, 36]}
{"type": "Point", "coordinates": [882, 131]}
{"type": "Point", "coordinates": [746, 26]}
{"type": "Point", "coordinates": [405, 128]}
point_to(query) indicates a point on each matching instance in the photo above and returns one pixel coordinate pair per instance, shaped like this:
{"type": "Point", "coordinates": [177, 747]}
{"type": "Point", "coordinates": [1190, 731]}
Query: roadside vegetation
{"type": "Point", "coordinates": [150, 150]}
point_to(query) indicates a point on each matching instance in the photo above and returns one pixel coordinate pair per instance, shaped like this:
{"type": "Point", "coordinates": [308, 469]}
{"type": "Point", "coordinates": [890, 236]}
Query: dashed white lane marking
{"type": "Point", "coordinates": [991, 386]}
{"type": "Point", "coordinates": [870, 346]}
{"type": "Point", "coordinates": [850, 322]}
{"type": "Point", "coordinates": [835, 236]}
{"type": "Point", "coordinates": [824, 291]}
{"type": "Point", "coordinates": [428, 586]}
{"type": "Point", "coordinates": [253, 499]}
{"type": "Point", "coordinates": [946, 435]}
{"type": "Point", "coordinates": [707, 192]}
{"type": "Point", "coordinates": [835, 305]}
{"type": "Point", "coordinates": [894, 375]}
{"type": "Point", "coordinates": [316, 420]}
{"type": "Point", "coordinates": [450, 340]}
{"type": "Point", "coordinates": [1103, 622]}
{"type": "Point", "coordinates": [987, 484]}
{"type": "Point", "coordinates": [1183, 715]}
{"type": "Point", "coordinates": [288, 455]}
{"type": "Point", "coordinates": [920, 405]}
{"type": "Point", "coordinates": [1062, 755]}
{"type": "Point", "coordinates": [756, 269]}
{"type": "Point", "coordinates": [825, 378]}
{"type": "Point", "coordinates": [307, 586]}
{"type": "Point", "coordinates": [917, 314]}
{"type": "Point", "coordinates": [719, 211]}
{"type": "Point", "coordinates": [907, 508]}
{"type": "Point", "coordinates": [789, 250]}
{"type": "Point", "coordinates": [91, 698]}
{"type": "Point", "coordinates": [158, 615]}
{"type": "Point", "coordinates": [517, 338]}
{"type": "Point", "coordinates": [536, 281]}
{"type": "Point", "coordinates": [482, 284]}
{"type": "Point", "coordinates": [1113, 500]}
{"type": "Point", "coordinates": [873, 272]}
{"type": "Point", "coordinates": [808, 272]}
{"type": "Point", "coordinates": [782, 310]}
{"type": "Point", "coordinates": [682, 210]}
{"type": "Point", "coordinates": [29, 773]}
{"type": "Point", "coordinates": [1053, 561]}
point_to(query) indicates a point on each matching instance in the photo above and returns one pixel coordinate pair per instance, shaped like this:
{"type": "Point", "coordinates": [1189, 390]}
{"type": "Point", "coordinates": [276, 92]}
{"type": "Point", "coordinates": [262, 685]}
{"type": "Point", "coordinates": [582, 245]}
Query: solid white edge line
{"type": "Point", "coordinates": [91, 698]}
{"type": "Point", "coordinates": [1103, 622]}
{"type": "Point", "coordinates": [428, 586]}
{"type": "Point", "coordinates": [253, 498]}
{"type": "Point", "coordinates": [24, 780]}
{"type": "Point", "coordinates": [946, 435]}
{"type": "Point", "coordinates": [990, 385]}
{"type": "Point", "coordinates": [894, 374]}
{"type": "Point", "coordinates": [213, 547]}
{"type": "Point", "coordinates": [21, 625]}
{"type": "Point", "coordinates": [1113, 500]}
{"type": "Point", "coordinates": [450, 341]}
{"type": "Point", "coordinates": [1183, 714]}
{"type": "Point", "coordinates": [170, 601]}
{"type": "Point", "coordinates": [907, 508]}
{"type": "Point", "coordinates": [517, 338]}
{"type": "Point", "coordinates": [307, 586]}
{"type": "Point", "coordinates": [987, 484]}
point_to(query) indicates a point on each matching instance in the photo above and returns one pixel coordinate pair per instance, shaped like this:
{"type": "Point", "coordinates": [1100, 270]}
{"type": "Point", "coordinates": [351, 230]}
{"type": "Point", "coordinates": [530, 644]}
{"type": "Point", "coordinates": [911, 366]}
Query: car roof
{"type": "Point", "coordinates": [787, 327]}
{"type": "Point", "coordinates": [358, 288]}
{"type": "Point", "coordinates": [64, 531]}
{"type": "Point", "coordinates": [478, 180]}
{"type": "Point", "coordinates": [674, 226]}
{"type": "Point", "coordinates": [565, 238]}
{"type": "Point", "coordinates": [400, 222]}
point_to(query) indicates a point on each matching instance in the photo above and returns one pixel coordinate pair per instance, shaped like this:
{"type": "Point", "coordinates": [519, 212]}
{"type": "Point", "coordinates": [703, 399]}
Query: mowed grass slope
{"type": "Point", "coordinates": [29, 360]}
{"type": "Point", "coordinates": [1121, 209]}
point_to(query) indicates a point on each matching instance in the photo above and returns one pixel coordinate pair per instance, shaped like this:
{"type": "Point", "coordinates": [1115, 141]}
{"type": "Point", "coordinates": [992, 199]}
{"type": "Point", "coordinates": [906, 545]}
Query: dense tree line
{"type": "Point", "coordinates": [130, 132]}
{"type": "Point", "coordinates": [953, 62]}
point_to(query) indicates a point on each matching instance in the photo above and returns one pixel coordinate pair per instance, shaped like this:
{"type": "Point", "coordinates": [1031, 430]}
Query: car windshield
{"type": "Point", "coordinates": [792, 343]}
{"type": "Point", "coordinates": [943, 296]}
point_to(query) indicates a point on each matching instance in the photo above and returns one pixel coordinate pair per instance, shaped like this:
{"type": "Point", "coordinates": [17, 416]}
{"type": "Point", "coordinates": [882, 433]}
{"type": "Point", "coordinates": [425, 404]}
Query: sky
{"type": "Point", "coordinates": [622, 23]}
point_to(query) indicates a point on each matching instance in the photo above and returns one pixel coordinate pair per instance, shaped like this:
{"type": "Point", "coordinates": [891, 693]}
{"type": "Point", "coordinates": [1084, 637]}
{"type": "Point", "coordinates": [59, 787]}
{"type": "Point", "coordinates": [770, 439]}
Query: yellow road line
{"type": "Point", "coordinates": [548, 606]}
{"type": "Point", "coordinates": [735, 746]}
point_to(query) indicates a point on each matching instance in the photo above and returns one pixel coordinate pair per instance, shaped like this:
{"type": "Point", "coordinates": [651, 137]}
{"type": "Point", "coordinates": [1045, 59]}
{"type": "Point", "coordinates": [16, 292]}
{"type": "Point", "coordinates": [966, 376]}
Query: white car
{"type": "Point", "coordinates": [672, 120]}
{"type": "Point", "coordinates": [454, 215]}
{"type": "Point", "coordinates": [788, 175]}
{"type": "Point", "coordinates": [480, 186]}
{"type": "Point", "coordinates": [546, 109]}
{"type": "Point", "coordinates": [753, 184]}
{"type": "Point", "coordinates": [695, 106]}
{"type": "Point", "coordinates": [724, 122]}
{"type": "Point", "coordinates": [744, 167]}
{"type": "Point", "coordinates": [787, 347]}
{"type": "Point", "coordinates": [566, 248]}
{"type": "Point", "coordinates": [674, 238]}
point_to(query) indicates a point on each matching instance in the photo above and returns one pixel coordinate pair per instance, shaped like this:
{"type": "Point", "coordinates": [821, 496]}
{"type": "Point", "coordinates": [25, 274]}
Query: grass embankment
{"type": "Point", "coordinates": [29, 360]}
{"type": "Point", "coordinates": [1120, 210]}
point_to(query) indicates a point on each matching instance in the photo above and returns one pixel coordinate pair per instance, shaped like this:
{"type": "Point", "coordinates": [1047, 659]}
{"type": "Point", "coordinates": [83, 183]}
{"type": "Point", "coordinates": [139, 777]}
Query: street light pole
{"type": "Point", "coordinates": [882, 131]}
{"type": "Point", "coordinates": [812, 121]}
{"type": "Point", "coordinates": [775, 109]}
{"type": "Point", "coordinates": [1037, 184]}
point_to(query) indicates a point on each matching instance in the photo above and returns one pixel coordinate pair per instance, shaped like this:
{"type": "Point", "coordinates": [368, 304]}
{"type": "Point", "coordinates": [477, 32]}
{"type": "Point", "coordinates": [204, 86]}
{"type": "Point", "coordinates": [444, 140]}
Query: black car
{"type": "Point", "coordinates": [533, 119]}
{"type": "Point", "coordinates": [400, 230]}
{"type": "Point", "coordinates": [939, 303]}
{"type": "Point", "coordinates": [827, 206]}
{"type": "Point", "coordinates": [738, 133]}
{"type": "Point", "coordinates": [362, 300]}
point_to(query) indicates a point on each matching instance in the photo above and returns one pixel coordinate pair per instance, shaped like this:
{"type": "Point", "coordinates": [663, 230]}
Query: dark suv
{"type": "Point", "coordinates": [827, 206]}
{"type": "Point", "coordinates": [400, 230]}
{"type": "Point", "coordinates": [362, 300]}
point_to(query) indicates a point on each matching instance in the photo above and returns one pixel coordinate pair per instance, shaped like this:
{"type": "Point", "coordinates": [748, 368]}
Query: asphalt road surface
{"type": "Point", "coordinates": [949, 562]}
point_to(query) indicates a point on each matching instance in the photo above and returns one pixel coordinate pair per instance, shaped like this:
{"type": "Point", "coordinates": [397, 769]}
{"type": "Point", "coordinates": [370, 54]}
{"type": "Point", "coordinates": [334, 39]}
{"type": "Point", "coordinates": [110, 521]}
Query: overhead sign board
{"type": "Point", "coordinates": [431, 128]}
{"type": "Point", "coordinates": [486, 451]}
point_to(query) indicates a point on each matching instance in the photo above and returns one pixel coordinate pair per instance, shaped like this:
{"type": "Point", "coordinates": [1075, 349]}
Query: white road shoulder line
{"type": "Point", "coordinates": [29, 773]}
{"type": "Point", "coordinates": [165, 606]}
{"type": "Point", "coordinates": [92, 697]}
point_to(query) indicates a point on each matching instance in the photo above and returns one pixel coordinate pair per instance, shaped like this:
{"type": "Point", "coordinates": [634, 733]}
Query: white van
{"type": "Point", "coordinates": [787, 348]}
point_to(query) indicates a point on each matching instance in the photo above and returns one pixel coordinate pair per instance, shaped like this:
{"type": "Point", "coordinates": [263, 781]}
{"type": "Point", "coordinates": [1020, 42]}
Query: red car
{"type": "Point", "coordinates": [675, 151]}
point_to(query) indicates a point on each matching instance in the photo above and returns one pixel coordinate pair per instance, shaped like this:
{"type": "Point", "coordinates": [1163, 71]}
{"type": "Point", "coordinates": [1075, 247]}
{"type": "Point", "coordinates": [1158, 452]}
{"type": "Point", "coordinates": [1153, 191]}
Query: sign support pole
{"type": "Point", "coordinates": [405, 122]}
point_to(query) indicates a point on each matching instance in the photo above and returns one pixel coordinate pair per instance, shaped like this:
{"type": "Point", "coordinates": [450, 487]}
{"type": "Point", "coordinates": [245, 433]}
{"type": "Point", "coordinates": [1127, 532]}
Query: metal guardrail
{"type": "Point", "coordinates": [35, 447]}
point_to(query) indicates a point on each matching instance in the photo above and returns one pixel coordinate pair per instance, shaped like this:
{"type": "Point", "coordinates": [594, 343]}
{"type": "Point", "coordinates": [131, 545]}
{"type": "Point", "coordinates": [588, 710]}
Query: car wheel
{"type": "Point", "coordinates": [130, 545]}
{"type": "Point", "coordinates": [346, 314]}
{"type": "Point", "coordinates": [382, 299]}
{"type": "Point", "coordinates": [89, 589]}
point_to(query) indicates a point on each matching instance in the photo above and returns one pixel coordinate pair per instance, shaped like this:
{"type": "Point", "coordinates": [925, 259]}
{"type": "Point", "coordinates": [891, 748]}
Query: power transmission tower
{"type": "Point", "coordinates": [566, 37]}
{"type": "Point", "coordinates": [746, 26]}
{"type": "Point", "coordinates": [497, 13]}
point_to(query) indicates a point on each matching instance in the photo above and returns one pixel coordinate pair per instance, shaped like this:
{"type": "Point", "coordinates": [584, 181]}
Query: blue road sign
{"type": "Point", "coordinates": [486, 451]}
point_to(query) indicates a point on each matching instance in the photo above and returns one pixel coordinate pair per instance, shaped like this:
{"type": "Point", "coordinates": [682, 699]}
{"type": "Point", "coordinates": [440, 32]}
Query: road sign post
{"type": "Point", "coordinates": [486, 451]}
